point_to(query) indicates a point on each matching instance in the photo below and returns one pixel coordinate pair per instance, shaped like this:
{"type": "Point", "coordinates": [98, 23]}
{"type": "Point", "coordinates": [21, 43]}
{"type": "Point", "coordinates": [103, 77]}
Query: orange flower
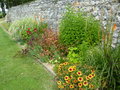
{"type": "Point", "coordinates": [79, 73]}
{"type": "Point", "coordinates": [80, 79]}
{"type": "Point", "coordinates": [71, 86]}
{"type": "Point", "coordinates": [85, 83]}
{"type": "Point", "coordinates": [70, 69]}
{"type": "Point", "coordinates": [91, 86]}
{"type": "Point", "coordinates": [79, 84]}
{"type": "Point", "coordinates": [92, 71]}
{"type": "Point", "coordinates": [75, 81]}
{"type": "Point", "coordinates": [66, 77]}
{"type": "Point", "coordinates": [114, 27]}
{"type": "Point", "coordinates": [67, 81]}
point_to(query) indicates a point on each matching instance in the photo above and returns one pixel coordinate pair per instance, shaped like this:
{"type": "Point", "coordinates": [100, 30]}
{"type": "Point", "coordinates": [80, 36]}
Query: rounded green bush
{"type": "Point", "coordinates": [76, 27]}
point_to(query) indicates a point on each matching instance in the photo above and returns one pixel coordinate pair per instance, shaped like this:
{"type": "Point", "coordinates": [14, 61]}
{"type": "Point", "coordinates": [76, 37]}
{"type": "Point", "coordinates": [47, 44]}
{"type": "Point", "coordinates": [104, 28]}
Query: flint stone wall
{"type": "Point", "coordinates": [52, 11]}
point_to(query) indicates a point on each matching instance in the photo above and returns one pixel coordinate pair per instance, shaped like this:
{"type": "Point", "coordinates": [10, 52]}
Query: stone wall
{"type": "Point", "coordinates": [52, 11]}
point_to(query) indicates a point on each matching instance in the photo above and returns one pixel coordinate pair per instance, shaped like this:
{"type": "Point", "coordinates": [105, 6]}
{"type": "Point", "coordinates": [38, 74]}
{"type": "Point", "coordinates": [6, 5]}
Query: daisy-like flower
{"type": "Point", "coordinates": [90, 76]}
{"type": "Point", "coordinates": [93, 75]}
{"type": "Point", "coordinates": [91, 86]}
{"type": "Point", "coordinates": [87, 78]}
{"type": "Point", "coordinates": [80, 85]}
{"type": "Point", "coordinates": [65, 63]}
{"type": "Point", "coordinates": [70, 69]}
{"type": "Point", "coordinates": [74, 68]}
{"type": "Point", "coordinates": [80, 79]}
{"type": "Point", "coordinates": [71, 86]}
{"type": "Point", "coordinates": [71, 76]}
{"type": "Point", "coordinates": [66, 77]}
{"type": "Point", "coordinates": [58, 82]}
{"type": "Point", "coordinates": [79, 73]}
{"type": "Point", "coordinates": [67, 81]}
{"type": "Point", "coordinates": [85, 83]}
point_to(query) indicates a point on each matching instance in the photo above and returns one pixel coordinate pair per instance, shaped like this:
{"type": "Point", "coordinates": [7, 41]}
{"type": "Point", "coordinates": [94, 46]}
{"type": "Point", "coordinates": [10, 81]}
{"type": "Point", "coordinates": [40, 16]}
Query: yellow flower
{"type": "Point", "coordinates": [85, 83]}
{"type": "Point", "coordinates": [60, 86]}
{"type": "Point", "coordinates": [90, 76]}
{"type": "Point", "coordinates": [74, 68]}
{"type": "Point", "coordinates": [64, 84]}
{"type": "Point", "coordinates": [65, 63]}
{"type": "Point", "coordinates": [71, 86]}
{"type": "Point", "coordinates": [87, 78]}
{"type": "Point", "coordinates": [58, 82]}
{"type": "Point", "coordinates": [93, 75]}
{"type": "Point", "coordinates": [66, 77]}
{"type": "Point", "coordinates": [71, 76]}
{"type": "Point", "coordinates": [67, 81]}
{"type": "Point", "coordinates": [91, 86]}
{"type": "Point", "coordinates": [70, 69]}
{"type": "Point", "coordinates": [79, 84]}
{"type": "Point", "coordinates": [79, 73]}
{"type": "Point", "coordinates": [80, 79]}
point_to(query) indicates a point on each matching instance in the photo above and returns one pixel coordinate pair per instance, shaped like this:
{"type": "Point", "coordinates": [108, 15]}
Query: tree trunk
{"type": "Point", "coordinates": [3, 9]}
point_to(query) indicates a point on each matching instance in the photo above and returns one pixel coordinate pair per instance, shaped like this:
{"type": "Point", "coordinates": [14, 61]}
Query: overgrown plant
{"type": "Point", "coordinates": [76, 27]}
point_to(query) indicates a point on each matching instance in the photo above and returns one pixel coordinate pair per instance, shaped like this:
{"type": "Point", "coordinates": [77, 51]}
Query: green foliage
{"type": "Point", "coordinates": [76, 27]}
{"type": "Point", "coordinates": [25, 28]}
{"type": "Point", "coordinates": [77, 54]}
{"type": "Point", "coordinates": [1, 15]}
{"type": "Point", "coordinates": [108, 67]}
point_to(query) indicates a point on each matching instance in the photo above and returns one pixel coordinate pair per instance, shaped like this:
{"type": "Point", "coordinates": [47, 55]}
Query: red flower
{"type": "Point", "coordinates": [35, 30]}
{"type": "Point", "coordinates": [28, 28]}
{"type": "Point", "coordinates": [29, 32]}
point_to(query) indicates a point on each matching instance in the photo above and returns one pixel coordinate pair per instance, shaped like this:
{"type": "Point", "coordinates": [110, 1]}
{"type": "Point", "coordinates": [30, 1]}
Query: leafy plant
{"type": "Point", "coordinates": [76, 27]}
{"type": "Point", "coordinates": [76, 76]}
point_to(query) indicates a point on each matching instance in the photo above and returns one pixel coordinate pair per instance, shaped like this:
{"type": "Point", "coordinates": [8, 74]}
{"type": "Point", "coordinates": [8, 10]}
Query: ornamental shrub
{"type": "Point", "coordinates": [76, 27]}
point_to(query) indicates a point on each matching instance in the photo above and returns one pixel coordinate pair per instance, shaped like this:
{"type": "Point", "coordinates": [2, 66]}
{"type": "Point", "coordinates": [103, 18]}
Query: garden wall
{"type": "Point", "coordinates": [52, 11]}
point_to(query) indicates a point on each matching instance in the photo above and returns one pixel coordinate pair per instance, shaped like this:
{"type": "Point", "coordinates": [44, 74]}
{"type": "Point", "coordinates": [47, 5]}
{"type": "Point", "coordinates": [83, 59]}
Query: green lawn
{"type": "Point", "coordinates": [21, 73]}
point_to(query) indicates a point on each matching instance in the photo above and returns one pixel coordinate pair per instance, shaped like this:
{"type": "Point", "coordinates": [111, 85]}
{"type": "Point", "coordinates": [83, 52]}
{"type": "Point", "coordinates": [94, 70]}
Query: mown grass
{"type": "Point", "coordinates": [21, 73]}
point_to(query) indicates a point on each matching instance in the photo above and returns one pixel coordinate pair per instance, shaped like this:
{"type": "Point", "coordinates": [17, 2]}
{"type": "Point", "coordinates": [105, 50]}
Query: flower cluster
{"type": "Point", "coordinates": [75, 76]}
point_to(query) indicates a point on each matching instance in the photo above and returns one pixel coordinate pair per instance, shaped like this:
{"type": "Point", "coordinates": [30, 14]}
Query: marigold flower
{"type": "Point", "coordinates": [70, 69]}
{"type": "Point", "coordinates": [85, 83]}
{"type": "Point", "coordinates": [66, 77]}
{"type": "Point", "coordinates": [79, 73]}
{"type": "Point", "coordinates": [71, 86]}
{"type": "Point", "coordinates": [80, 79]}
{"type": "Point", "coordinates": [79, 84]}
